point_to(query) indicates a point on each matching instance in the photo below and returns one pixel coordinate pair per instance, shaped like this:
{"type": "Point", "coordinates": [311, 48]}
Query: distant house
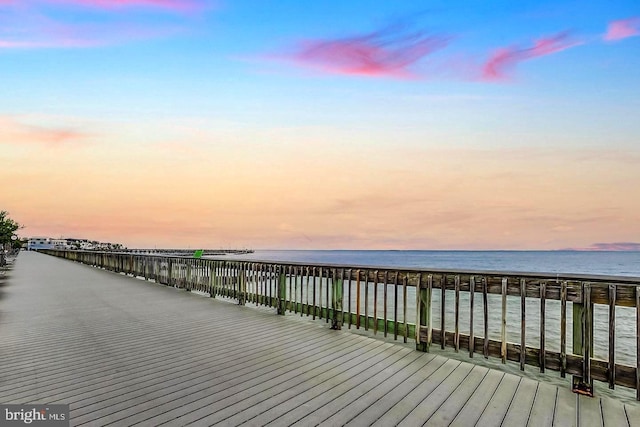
{"type": "Point", "coordinates": [59, 244]}
{"type": "Point", "coordinates": [36, 243]}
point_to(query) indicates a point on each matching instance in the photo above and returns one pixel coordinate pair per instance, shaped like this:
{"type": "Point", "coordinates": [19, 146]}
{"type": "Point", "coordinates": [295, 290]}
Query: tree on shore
{"type": "Point", "coordinates": [8, 228]}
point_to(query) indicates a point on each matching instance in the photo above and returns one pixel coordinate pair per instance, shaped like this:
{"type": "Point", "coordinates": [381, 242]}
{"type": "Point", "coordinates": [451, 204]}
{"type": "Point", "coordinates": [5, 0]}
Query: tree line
{"type": "Point", "coordinates": [8, 228]}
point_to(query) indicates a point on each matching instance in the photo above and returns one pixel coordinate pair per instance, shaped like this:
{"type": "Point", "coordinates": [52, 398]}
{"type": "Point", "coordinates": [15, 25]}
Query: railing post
{"type": "Point", "coordinates": [212, 278]}
{"type": "Point", "coordinates": [424, 312]}
{"type": "Point", "coordinates": [242, 283]}
{"type": "Point", "coordinates": [583, 340]}
{"type": "Point", "coordinates": [337, 285]}
{"type": "Point", "coordinates": [189, 276]}
{"type": "Point", "coordinates": [282, 290]}
{"type": "Point", "coordinates": [637, 342]}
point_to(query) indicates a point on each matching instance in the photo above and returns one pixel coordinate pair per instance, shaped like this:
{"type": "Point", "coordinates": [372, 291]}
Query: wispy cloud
{"type": "Point", "coordinates": [15, 132]}
{"type": "Point", "coordinates": [503, 60]}
{"type": "Point", "coordinates": [622, 29]}
{"type": "Point", "coordinates": [39, 25]}
{"type": "Point", "coordinates": [390, 52]}
{"type": "Point", "coordinates": [617, 246]}
{"type": "Point", "coordinates": [175, 5]}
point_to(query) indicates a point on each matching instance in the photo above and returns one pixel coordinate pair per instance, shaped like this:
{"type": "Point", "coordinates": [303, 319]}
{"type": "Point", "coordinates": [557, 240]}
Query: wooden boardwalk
{"type": "Point", "coordinates": [123, 351]}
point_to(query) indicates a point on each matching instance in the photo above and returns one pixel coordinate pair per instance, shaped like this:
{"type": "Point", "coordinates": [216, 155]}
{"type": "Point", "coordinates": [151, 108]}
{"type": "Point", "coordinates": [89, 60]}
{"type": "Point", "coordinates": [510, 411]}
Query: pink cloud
{"type": "Point", "coordinates": [39, 31]}
{"type": "Point", "coordinates": [504, 59]}
{"type": "Point", "coordinates": [176, 5]}
{"type": "Point", "coordinates": [13, 132]}
{"type": "Point", "coordinates": [617, 246]}
{"type": "Point", "coordinates": [386, 53]}
{"type": "Point", "coordinates": [53, 43]}
{"type": "Point", "coordinates": [623, 28]}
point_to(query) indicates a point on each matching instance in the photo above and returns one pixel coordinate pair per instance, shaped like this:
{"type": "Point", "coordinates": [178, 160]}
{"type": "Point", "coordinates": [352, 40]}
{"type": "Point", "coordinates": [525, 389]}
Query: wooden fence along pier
{"type": "Point", "coordinates": [472, 314]}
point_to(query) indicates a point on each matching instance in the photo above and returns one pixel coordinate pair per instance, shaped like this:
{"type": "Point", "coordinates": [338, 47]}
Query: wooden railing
{"type": "Point", "coordinates": [409, 304]}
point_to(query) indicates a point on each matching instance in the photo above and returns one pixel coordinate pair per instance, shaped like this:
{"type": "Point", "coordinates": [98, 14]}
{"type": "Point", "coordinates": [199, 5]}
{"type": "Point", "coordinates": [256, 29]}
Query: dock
{"type": "Point", "coordinates": [122, 350]}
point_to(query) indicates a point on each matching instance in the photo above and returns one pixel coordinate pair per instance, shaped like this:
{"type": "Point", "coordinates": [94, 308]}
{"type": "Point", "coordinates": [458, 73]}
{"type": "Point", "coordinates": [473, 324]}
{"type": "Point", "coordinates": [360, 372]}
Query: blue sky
{"type": "Point", "coordinates": [278, 92]}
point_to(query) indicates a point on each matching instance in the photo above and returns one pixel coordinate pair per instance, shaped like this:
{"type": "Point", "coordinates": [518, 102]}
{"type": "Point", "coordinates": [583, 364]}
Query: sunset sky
{"type": "Point", "coordinates": [320, 125]}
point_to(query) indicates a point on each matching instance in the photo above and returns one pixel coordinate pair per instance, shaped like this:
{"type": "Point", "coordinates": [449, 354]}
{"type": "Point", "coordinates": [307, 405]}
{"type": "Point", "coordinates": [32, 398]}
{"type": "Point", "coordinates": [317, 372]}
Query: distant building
{"type": "Point", "coordinates": [36, 243]}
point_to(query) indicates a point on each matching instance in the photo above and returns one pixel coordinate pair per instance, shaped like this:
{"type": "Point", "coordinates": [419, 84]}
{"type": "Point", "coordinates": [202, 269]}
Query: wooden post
{"type": "Point", "coordinates": [384, 302]}
{"type": "Point", "coordinates": [456, 312]}
{"type": "Point", "coordinates": [422, 314]}
{"type": "Point", "coordinates": [242, 283]}
{"type": "Point", "coordinates": [366, 300]}
{"type": "Point", "coordinates": [503, 330]}
{"type": "Point", "coordinates": [375, 303]}
{"type": "Point", "coordinates": [189, 273]}
{"type": "Point", "coordinates": [404, 306]}
{"type": "Point", "coordinates": [563, 328]}
{"type": "Point", "coordinates": [282, 290]}
{"type": "Point", "coordinates": [337, 289]}
{"type": "Point", "coordinates": [485, 309]}
{"type": "Point", "coordinates": [582, 340]}
{"type": "Point", "coordinates": [429, 310]}
{"type": "Point", "coordinates": [637, 342]}
{"type": "Point", "coordinates": [212, 278]}
{"type": "Point", "coordinates": [395, 306]}
{"type": "Point", "coordinates": [358, 299]}
{"type": "Point", "coordinates": [443, 287]}
{"type": "Point", "coordinates": [543, 353]}
{"type": "Point", "coordinates": [612, 336]}
{"type": "Point", "coordinates": [472, 339]}
{"type": "Point", "coordinates": [523, 323]}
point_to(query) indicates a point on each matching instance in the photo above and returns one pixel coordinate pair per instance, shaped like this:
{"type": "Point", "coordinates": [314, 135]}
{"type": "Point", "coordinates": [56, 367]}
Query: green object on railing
{"type": "Point", "coordinates": [198, 253]}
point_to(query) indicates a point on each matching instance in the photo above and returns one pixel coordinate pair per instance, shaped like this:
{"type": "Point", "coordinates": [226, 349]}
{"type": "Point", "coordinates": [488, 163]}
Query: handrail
{"type": "Point", "coordinates": [404, 301]}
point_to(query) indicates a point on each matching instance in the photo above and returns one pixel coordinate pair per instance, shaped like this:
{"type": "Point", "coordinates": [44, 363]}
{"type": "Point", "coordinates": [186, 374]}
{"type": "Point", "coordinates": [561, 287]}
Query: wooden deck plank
{"type": "Point", "coordinates": [134, 379]}
{"type": "Point", "coordinates": [565, 411]}
{"type": "Point", "coordinates": [521, 404]}
{"type": "Point", "coordinates": [406, 379]}
{"type": "Point", "coordinates": [633, 414]}
{"type": "Point", "coordinates": [122, 395]}
{"type": "Point", "coordinates": [498, 406]}
{"type": "Point", "coordinates": [190, 396]}
{"type": "Point", "coordinates": [477, 402]}
{"type": "Point", "coordinates": [613, 413]}
{"type": "Point", "coordinates": [90, 375]}
{"type": "Point", "coordinates": [543, 408]}
{"type": "Point", "coordinates": [382, 380]}
{"type": "Point", "coordinates": [425, 399]}
{"type": "Point", "coordinates": [243, 407]}
{"type": "Point", "coordinates": [201, 401]}
{"type": "Point", "coordinates": [331, 393]}
{"type": "Point", "coordinates": [284, 397]}
{"type": "Point", "coordinates": [425, 383]}
{"type": "Point", "coordinates": [589, 412]}
{"type": "Point", "coordinates": [440, 408]}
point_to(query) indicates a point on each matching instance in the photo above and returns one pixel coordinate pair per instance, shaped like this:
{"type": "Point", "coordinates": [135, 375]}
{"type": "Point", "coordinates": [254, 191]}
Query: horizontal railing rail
{"type": "Point", "coordinates": [584, 325]}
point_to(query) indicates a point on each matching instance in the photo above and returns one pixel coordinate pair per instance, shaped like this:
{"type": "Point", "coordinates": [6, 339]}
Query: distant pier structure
{"type": "Point", "coordinates": [189, 252]}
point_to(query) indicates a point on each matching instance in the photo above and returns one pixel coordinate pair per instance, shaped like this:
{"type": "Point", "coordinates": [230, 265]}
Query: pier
{"type": "Point", "coordinates": [130, 339]}
{"type": "Point", "coordinates": [189, 252]}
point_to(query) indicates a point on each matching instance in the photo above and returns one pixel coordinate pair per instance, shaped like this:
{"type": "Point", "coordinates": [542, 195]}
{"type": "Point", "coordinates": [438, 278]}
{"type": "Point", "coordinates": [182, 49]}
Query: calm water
{"type": "Point", "coordinates": [607, 263]}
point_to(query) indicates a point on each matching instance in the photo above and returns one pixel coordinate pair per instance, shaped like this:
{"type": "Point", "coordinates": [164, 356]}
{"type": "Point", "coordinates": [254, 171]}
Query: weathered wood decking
{"type": "Point", "coordinates": [123, 351]}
